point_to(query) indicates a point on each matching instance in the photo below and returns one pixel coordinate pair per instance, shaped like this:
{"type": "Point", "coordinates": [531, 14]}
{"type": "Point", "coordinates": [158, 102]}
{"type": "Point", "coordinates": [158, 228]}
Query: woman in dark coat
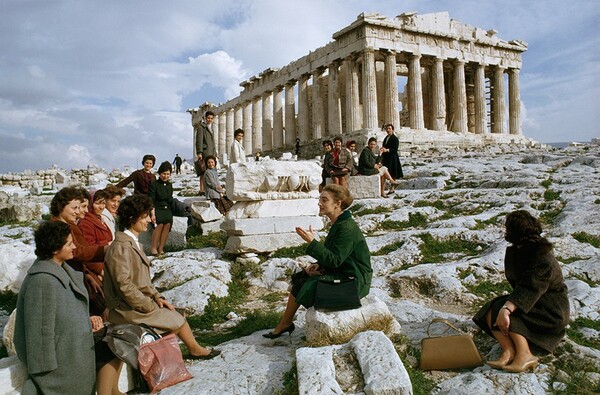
{"type": "Point", "coordinates": [368, 165]}
{"type": "Point", "coordinates": [161, 193]}
{"type": "Point", "coordinates": [389, 155]}
{"type": "Point", "coordinates": [343, 254]}
{"type": "Point", "coordinates": [141, 178]}
{"type": "Point", "coordinates": [536, 312]}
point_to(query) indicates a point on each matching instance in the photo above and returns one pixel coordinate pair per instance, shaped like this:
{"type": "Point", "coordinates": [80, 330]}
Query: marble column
{"type": "Point", "coordinates": [247, 126]}
{"type": "Point", "coordinates": [256, 124]}
{"type": "Point", "coordinates": [303, 113]}
{"type": "Point", "coordinates": [514, 102]}
{"type": "Point", "coordinates": [318, 115]}
{"type": "Point", "coordinates": [390, 87]}
{"type": "Point", "coordinates": [222, 144]}
{"type": "Point", "coordinates": [498, 100]}
{"type": "Point", "coordinates": [230, 129]}
{"type": "Point", "coordinates": [278, 117]}
{"type": "Point", "coordinates": [460, 98]}
{"type": "Point", "coordinates": [290, 115]}
{"type": "Point", "coordinates": [215, 131]}
{"type": "Point", "coordinates": [415, 93]}
{"type": "Point", "coordinates": [267, 121]}
{"type": "Point", "coordinates": [352, 96]}
{"type": "Point", "coordinates": [237, 117]}
{"type": "Point", "coordinates": [438, 95]}
{"type": "Point", "coordinates": [369, 91]}
{"type": "Point", "coordinates": [334, 111]}
{"type": "Point", "coordinates": [480, 126]}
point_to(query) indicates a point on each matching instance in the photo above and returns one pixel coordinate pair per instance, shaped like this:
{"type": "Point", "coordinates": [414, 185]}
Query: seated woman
{"type": "Point", "coordinates": [339, 164]}
{"type": "Point", "coordinates": [214, 191]}
{"type": "Point", "coordinates": [369, 164]}
{"type": "Point", "coordinates": [130, 296]}
{"type": "Point", "coordinates": [113, 200]}
{"type": "Point", "coordinates": [343, 254]}
{"type": "Point", "coordinates": [536, 312]}
{"type": "Point", "coordinates": [53, 332]}
{"type": "Point", "coordinates": [351, 146]}
{"type": "Point", "coordinates": [141, 178]}
{"type": "Point", "coordinates": [161, 193]}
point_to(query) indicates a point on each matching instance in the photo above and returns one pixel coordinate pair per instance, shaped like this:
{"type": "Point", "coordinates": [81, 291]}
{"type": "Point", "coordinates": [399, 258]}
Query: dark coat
{"type": "Point", "coordinates": [161, 194]}
{"type": "Point", "coordinates": [204, 141]}
{"type": "Point", "coordinates": [53, 335]}
{"type": "Point", "coordinates": [141, 181]}
{"type": "Point", "coordinates": [539, 292]}
{"type": "Point", "coordinates": [367, 162]}
{"type": "Point", "coordinates": [391, 160]}
{"type": "Point", "coordinates": [343, 254]}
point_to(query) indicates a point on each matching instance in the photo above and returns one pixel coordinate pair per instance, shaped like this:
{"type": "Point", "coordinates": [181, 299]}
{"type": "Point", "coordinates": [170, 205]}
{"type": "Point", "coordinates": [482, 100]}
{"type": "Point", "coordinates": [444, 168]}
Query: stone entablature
{"type": "Point", "coordinates": [455, 82]}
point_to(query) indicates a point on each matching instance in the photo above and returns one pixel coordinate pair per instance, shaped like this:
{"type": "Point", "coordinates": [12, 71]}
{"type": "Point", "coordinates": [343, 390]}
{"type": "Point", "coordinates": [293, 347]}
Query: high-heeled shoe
{"type": "Point", "coordinates": [530, 364]}
{"type": "Point", "coordinates": [498, 364]}
{"type": "Point", "coordinates": [273, 335]}
{"type": "Point", "coordinates": [213, 353]}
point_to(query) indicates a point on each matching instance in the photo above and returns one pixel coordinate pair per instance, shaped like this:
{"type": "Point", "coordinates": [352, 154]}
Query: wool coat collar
{"type": "Point", "coordinates": [64, 273]}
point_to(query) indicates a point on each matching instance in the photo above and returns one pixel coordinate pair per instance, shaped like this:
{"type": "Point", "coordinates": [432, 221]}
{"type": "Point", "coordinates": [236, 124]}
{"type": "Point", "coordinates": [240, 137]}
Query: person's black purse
{"type": "Point", "coordinates": [337, 294]}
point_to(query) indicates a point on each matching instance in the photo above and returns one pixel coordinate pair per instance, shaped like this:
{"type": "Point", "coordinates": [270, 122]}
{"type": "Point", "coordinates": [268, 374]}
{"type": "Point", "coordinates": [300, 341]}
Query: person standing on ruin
{"type": "Point", "coordinates": [204, 144]}
{"type": "Point", "coordinates": [389, 154]}
{"type": "Point", "coordinates": [237, 153]}
{"type": "Point", "coordinates": [177, 162]}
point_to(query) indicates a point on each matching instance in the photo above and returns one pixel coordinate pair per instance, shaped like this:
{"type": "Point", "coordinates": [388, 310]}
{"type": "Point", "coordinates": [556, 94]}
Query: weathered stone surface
{"type": "Point", "coordinates": [213, 226]}
{"type": "Point", "coordinates": [383, 371]}
{"type": "Point", "coordinates": [176, 237]}
{"type": "Point", "coordinates": [258, 226]}
{"type": "Point", "coordinates": [16, 258]}
{"type": "Point", "coordinates": [274, 208]}
{"type": "Point", "coordinates": [335, 324]}
{"type": "Point", "coordinates": [261, 243]}
{"type": "Point", "coordinates": [205, 211]}
{"type": "Point", "coordinates": [8, 334]}
{"type": "Point", "coordinates": [583, 300]}
{"type": "Point", "coordinates": [363, 187]}
{"type": "Point", "coordinates": [316, 371]}
{"type": "Point", "coordinates": [422, 183]}
{"type": "Point", "coordinates": [273, 180]}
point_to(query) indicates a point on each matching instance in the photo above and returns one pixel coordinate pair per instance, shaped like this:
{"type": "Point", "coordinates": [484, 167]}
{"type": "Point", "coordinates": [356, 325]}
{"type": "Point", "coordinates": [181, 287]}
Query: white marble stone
{"type": "Point", "coordinates": [363, 187]}
{"type": "Point", "coordinates": [262, 242]}
{"type": "Point", "coordinates": [8, 334]}
{"type": "Point", "coordinates": [274, 208]}
{"type": "Point", "coordinates": [213, 226]}
{"type": "Point", "coordinates": [205, 211]}
{"type": "Point", "coordinates": [258, 226]}
{"type": "Point", "coordinates": [176, 237]}
{"type": "Point", "coordinates": [16, 258]}
{"type": "Point", "coordinates": [316, 371]}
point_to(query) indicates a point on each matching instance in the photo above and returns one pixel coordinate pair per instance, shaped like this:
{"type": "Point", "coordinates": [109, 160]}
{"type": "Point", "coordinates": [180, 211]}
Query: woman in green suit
{"type": "Point", "coordinates": [343, 254]}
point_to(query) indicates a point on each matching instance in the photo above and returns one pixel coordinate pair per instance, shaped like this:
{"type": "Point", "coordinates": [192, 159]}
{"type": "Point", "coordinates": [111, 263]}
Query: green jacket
{"type": "Point", "coordinates": [343, 254]}
{"type": "Point", "coordinates": [367, 162]}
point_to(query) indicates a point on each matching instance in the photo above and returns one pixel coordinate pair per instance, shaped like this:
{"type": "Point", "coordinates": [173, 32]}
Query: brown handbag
{"type": "Point", "coordinates": [449, 352]}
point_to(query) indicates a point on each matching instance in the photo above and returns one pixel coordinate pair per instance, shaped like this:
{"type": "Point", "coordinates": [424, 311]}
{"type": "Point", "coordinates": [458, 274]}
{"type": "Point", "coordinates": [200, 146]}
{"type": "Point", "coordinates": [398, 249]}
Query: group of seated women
{"type": "Point", "coordinates": [53, 335]}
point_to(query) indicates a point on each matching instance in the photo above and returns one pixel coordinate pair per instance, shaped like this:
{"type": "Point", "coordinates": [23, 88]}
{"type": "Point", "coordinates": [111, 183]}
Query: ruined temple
{"type": "Point", "coordinates": [459, 85]}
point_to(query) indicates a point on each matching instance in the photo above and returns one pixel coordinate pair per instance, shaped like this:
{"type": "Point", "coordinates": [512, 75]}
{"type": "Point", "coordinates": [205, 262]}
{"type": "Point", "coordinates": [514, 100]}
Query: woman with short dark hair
{"type": "Point", "coordinates": [536, 311]}
{"type": "Point", "coordinates": [141, 178]}
{"type": "Point", "coordinates": [389, 155]}
{"type": "Point", "coordinates": [161, 193]}
{"type": "Point", "coordinates": [213, 188]}
{"type": "Point", "coordinates": [130, 296]}
{"type": "Point", "coordinates": [114, 195]}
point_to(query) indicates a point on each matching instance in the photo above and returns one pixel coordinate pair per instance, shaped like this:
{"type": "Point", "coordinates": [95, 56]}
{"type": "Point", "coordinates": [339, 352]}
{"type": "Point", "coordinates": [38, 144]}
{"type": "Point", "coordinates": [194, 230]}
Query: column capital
{"type": "Point", "coordinates": [514, 70]}
{"type": "Point", "coordinates": [459, 61]}
{"type": "Point", "coordinates": [290, 83]}
{"type": "Point", "coordinates": [318, 71]}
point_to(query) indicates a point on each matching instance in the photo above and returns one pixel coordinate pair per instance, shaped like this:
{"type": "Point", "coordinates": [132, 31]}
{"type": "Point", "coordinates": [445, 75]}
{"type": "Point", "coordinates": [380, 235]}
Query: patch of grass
{"type": "Point", "coordinates": [422, 384]}
{"type": "Point", "coordinates": [255, 321]}
{"type": "Point", "coordinates": [356, 207]}
{"type": "Point", "coordinates": [289, 252]}
{"type": "Point", "coordinates": [584, 237]}
{"type": "Point", "coordinates": [572, 259]}
{"type": "Point", "coordinates": [597, 201]}
{"type": "Point", "coordinates": [8, 301]}
{"type": "Point", "coordinates": [416, 220]}
{"type": "Point", "coordinates": [46, 217]}
{"type": "Point", "coordinates": [290, 382]}
{"type": "Point", "coordinates": [375, 210]}
{"type": "Point", "coordinates": [195, 240]}
{"type": "Point", "coordinates": [433, 250]}
{"type": "Point", "coordinates": [425, 203]}
{"type": "Point", "coordinates": [381, 323]}
{"type": "Point", "coordinates": [550, 195]}
{"type": "Point", "coordinates": [272, 297]}
{"type": "Point", "coordinates": [388, 248]}
{"type": "Point", "coordinates": [16, 236]}
{"type": "Point", "coordinates": [464, 273]}
{"type": "Point", "coordinates": [487, 289]}
{"type": "Point", "coordinates": [548, 217]}
{"type": "Point", "coordinates": [546, 183]}
{"type": "Point", "coordinates": [482, 224]}
{"type": "Point", "coordinates": [577, 369]}
{"type": "Point", "coordinates": [575, 335]}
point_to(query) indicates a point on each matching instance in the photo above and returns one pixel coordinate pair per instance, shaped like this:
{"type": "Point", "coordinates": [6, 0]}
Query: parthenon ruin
{"type": "Point", "coordinates": [453, 77]}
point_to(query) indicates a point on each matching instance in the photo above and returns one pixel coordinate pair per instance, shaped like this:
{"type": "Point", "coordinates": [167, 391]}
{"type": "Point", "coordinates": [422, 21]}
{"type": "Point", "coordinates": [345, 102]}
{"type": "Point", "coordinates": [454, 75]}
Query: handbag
{"type": "Point", "coordinates": [124, 341]}
{"type": "Point", "coordinates": [161, 363]}
{"type": "Point", "coordinates": [449, 352]}
{"type": "Point", "coordinates": [200, 167]}
{"type": "Point", "coordinates": [337, 294]}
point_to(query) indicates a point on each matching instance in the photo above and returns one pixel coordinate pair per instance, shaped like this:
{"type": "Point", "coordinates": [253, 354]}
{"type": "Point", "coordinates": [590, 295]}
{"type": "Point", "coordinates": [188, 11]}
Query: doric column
{"type": "Point", "coordinates": [256, 125]}
{"type": "Point", "coordinates": [480, 109]}
{"type": "Point", "coordinates": [237, 117]}
{"type": "Point", "coordinates": [230, 129]}
{"type": "Point", "coordinates": [390, 88]}
{"type": "Point", "coordinates": [352, 95]}
{"type": "Point", "coordinates": [334, 114]}
{"type": "Point", "coordinates": [438, 95]}
{"type": "Point", "coordinates": [303, 113]}
{"type": "Point", "coordinates": [267, 121]}
{"type": "Point", "coordinates": [415, 93]}
{"type": "Point", "coordinates": [247, 126]}
{"type": "Point", "coordinates": [318, 115]}
{"type": "Point", "coordinates": [514, 102]}
{"type": "Point", "coordinates": [278, 117]}
{"type": "Point", "coordinates": [290, 115]}
{"type": "Point", "coordinates": [460, 98]}
{"type": "Point", "coordinates": [215, 131]}
{"type": "Point", "coordinates": [369, 90]}
{"type": "Point", "coordinates": [498, 106]}
{"type": "Point", "coordinates": [222, 145]}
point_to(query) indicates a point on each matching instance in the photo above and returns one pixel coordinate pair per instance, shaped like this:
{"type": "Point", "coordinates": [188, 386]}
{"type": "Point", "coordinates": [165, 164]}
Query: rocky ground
{"type": "Point", "coordinates": [438, 249]}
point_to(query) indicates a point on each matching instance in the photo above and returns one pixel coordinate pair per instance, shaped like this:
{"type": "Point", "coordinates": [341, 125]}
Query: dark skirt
{"type": "Point", "coordinates": [223, 204]}
{"type": "Point", "coordinates": [164, 215]}
{"type": "Point", "coordinates": [391, 160]}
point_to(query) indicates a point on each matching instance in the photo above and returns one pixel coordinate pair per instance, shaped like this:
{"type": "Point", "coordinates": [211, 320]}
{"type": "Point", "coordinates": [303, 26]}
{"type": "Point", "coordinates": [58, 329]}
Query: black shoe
{"type": "Point", "coordinates": [213, 353]}
{"type": "Point", "coordinates": [272, 335]}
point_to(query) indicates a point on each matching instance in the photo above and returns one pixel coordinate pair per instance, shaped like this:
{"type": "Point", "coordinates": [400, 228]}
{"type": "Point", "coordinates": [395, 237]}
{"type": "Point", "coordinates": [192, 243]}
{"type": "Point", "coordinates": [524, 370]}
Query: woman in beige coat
{"type": "Point", "coordinates": [130, 296]}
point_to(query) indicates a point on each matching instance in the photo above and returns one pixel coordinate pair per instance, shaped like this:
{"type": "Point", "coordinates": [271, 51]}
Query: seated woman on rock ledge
{"type": "Point", "coordinates": [344, 254]}
{"type": "Point", "coordinates": [536, 312]}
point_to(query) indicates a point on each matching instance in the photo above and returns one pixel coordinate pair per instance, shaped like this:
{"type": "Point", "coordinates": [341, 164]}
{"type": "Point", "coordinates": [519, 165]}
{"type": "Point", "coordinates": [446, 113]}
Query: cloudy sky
{"type": "Point", "coordinates": [105, 82]}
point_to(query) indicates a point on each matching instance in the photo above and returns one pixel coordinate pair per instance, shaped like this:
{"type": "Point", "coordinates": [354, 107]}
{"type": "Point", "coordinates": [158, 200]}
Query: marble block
{"type": "Point", "coordinates": [274, 208]}
{"type": "Point", "coordinates": [363, 187]}
{"type": "Point", "coordinates": [261, 243]}
{"type": "Point", "coordinates": [260, 226]}
{"type": "Point", "coordinates": [316, 371]}
{"type": "Point", "coordinates": [205, 211]}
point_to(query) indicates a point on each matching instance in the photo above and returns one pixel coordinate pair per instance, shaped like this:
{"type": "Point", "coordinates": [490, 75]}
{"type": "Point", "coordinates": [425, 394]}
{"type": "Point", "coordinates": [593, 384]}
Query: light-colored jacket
{"type": "Point", "coordinates": [110, 221]}
{"type": "Point", "coordinates": [128, 290]}
{"type": "Point", "coordinates": [212, 187]}
{"type": "Point", "coordinates": [237, 153]}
